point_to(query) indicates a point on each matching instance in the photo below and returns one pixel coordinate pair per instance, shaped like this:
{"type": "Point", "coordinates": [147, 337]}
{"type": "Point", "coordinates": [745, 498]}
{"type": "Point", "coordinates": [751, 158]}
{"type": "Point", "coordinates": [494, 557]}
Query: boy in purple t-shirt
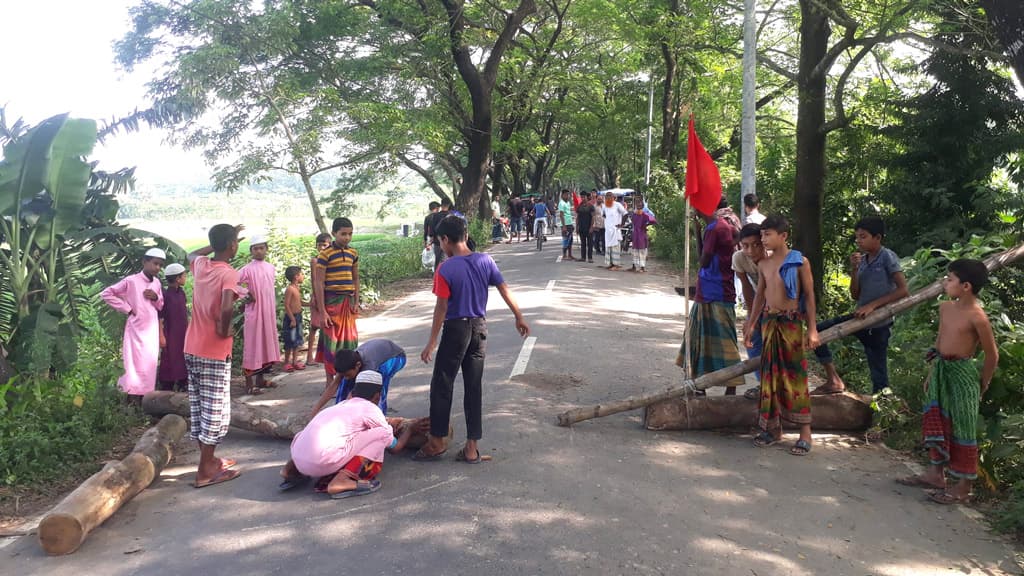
{"type": "Point", "coordinates": [461, 284]}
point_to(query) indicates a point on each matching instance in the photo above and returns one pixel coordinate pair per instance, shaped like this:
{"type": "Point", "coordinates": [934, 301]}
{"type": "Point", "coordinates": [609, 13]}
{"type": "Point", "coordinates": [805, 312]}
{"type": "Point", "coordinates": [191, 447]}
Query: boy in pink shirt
{"type": "Point", "coordinates": [208, 350]}
{"type": "Point", "coordinates": [344, 445]}
{"type": "Point", "coordinates": [140, 297]}
{"type": "Point", "coordinates": [260, 348]}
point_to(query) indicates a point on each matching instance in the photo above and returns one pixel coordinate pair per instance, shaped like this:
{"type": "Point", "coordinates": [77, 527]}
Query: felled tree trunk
{"type": "Point", "coordinates": [839, 412]}
{"type": "Point", "coordinates": [66, 526]}
{"type": "Point", "coordinates": [243, 416]}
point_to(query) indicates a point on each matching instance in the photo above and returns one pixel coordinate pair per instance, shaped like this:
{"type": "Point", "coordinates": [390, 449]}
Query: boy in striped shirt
{"type": "Point", "coordinates": [337, 294]}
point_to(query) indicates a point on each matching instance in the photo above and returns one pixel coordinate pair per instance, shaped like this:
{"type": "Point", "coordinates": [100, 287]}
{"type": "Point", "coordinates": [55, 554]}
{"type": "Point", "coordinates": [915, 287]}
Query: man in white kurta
{"type": "Point", "coordinates": [140, 297]}
{"type": "Point", "coordinates": [260, 346]}
{"type": "Point", "coordinates": [613, 213]}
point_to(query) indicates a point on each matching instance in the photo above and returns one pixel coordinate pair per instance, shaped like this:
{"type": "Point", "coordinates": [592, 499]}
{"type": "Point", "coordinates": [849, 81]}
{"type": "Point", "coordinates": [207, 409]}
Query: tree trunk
{"type": "Point", "coordinates": [66, 526]}
{"type": "Point", "coordinates": [810, 138]}
{"type": "Point", "coordinates": [720, 377]}
{"type": "Point", "coordinates": [243, 416]}
{"type": "Point", "coordinates": [848, 412]}
{"type": "Point", "coordinates": [318, 216]}
{"type": "Point", "coordinates": [1007, 17]}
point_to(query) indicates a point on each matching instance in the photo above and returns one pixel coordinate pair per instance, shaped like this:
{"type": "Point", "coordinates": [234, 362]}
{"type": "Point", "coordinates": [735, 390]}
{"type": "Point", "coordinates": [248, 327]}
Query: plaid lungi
{"type": "Point", "coordinates": [713, 343]}
{"type": "Point", "coordinates": [209, 398]}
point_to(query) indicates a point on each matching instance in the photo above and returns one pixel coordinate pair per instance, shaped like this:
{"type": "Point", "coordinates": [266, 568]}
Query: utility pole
{"type": "Point", "coordinates": [748, 126]}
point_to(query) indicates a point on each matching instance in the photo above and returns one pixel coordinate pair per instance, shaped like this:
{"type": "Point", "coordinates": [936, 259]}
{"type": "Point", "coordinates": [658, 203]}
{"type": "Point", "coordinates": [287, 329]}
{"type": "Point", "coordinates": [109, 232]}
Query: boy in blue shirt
{"type": "Point", "coordinates": [461, 284]}
{"type": "Point", "coordinates": [876, 279]}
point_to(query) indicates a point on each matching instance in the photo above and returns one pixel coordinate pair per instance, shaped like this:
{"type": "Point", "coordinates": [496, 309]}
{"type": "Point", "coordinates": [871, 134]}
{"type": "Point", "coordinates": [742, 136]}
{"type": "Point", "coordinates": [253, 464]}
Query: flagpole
{"type": "Point", "coordinates": [686, 295]}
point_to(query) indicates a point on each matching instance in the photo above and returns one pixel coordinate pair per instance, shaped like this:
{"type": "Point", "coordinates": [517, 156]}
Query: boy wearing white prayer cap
{"type": "Point", "coordinates": [140, 297]}
{"type": "Point", "coordinates": [260, 348]}
{"type": "Point", "coordinates": [173, 374]}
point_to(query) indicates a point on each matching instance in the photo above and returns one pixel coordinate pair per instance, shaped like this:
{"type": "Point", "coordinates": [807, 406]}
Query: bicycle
{"type": "Point", "coordinates": [539, 233]}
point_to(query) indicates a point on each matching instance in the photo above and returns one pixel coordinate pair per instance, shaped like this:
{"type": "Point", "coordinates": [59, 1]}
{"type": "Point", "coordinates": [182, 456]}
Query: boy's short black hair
{"type": "Point", "coordinates": [970, 270]}
{"type": "Point", "coordinates": [723, 203]}
{"type": "Point", "coordinates": [340, 223]}
{"type": "Point", "coordinates": [451, 227]}
{"type": "Point", "coordinates": [584, 194]}
{"type": "Point", "coordinates": [446, 203]}
{"type": "Point", "coordinates": [366, 390]}
{"type": "Point", "coordinates": [291, 272]}
{"type": "Point", "coordinates": [749, 230]}
{"type": "Point", "coordinates": [323, 237]}
{"type": "Point", "coordinates": [776, 222]}
{"type": "Point", "coordinates": [434, 205]}
{"type": "Point", "coordinates": [751, 201]}
{"type": "Point", "coordinates": [871, 224]}
{"type": "Point", "coordinates": [345, 360]}
{"type": "Point", "coordinates": [221, 236]}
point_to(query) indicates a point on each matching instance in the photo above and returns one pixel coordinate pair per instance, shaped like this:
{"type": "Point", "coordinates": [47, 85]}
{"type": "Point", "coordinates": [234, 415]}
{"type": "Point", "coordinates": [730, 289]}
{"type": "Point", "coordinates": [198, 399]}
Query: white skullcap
{"type": "Point", "coordinates": [173, 270]}
{"type": "Point", "coordinates": [371, 376]}
{"type": "Point", "coordinates": [156, 253]}
{"type": "Point", "coordinates": [257, 239]}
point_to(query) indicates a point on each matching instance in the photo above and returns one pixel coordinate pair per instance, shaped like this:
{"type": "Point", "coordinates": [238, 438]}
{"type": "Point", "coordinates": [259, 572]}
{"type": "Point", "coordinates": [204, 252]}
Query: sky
{"type": "Point", "coordinates": [59, 57]}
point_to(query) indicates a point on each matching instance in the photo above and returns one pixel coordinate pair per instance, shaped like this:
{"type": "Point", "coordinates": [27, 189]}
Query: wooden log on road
{"type": "Point", "coordinates": [836, 412]}
{"type": "Point", "coordinates": [720, 377]}
{"type": "Point", "coordinates": [243, 416]}
{"type": "Point", "coordinates": [66, 526]}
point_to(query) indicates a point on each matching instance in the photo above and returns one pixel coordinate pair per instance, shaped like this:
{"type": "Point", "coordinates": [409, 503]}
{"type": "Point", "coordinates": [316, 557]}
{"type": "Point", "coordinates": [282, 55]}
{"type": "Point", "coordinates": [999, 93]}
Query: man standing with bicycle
{"type": "Point", "coordinates": [540, 214]}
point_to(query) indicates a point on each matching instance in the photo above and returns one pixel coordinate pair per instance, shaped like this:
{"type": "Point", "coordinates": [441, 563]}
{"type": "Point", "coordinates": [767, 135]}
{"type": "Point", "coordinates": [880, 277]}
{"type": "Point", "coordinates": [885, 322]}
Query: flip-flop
{"type": "Point", "coordinates": [363, 487]}
{"type": "Point", "coordinates": [946, 499]}
{"type": "Point", "coordinates": [461, 457]}
{"type": "Point", "coordinates": [421, 456]}
{"type": "Point", "coordinates": [253, 391]}
{"type": "Point", "coordinates": [289, 368]}
{"type": "Point", "coordinates": [753, 393]}
{"type": "Point", "coordinates": [226, 463]}
{"type": "Point", "coordinates": [220, 478]}
{"type": "Point", "coordinates": [765, 439]}
{"type": "Point", "coordinates": [916, 481]}
{"type": "Point", "coordinates": [801, 448]}
{"type": "Point", "coordinates": [292, 482]}
{"type": "Point", "coordinates": [269, 384]}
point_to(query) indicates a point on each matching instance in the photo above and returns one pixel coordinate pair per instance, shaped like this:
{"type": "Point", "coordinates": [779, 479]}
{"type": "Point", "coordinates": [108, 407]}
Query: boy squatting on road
{"type": "Point", "coordinates": [461, 285]}
{"type": "Point", "coordinates": [785, 298]}
{"type": "Point", "coordinates": [140, 297]}
{"type": "Point", "coordinates": [343, 446]}
{"type": "Point", "coordinates": [377, 354]}
{"type": "Point", "coordinates": [953, 391]}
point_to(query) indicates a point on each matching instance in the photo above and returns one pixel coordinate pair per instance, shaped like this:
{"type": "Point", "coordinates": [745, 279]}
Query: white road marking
{"type": "Point", "coordinates": [550, 286]}
{"type": "Point", "coordinates": [524, 357]}
{"type": "Point", "coordinates": [559, 259]}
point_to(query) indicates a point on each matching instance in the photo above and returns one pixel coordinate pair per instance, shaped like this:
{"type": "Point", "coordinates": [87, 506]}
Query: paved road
{"type": "Point", "coordinates": [605, 497]}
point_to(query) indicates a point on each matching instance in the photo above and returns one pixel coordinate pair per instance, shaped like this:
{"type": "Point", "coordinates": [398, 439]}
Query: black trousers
{"type": "Point", "coordinates": [463, 345]}
{"type": "Point", "coordinates": [586, 245]}
{"type": "Point", "coordinates": [598, 240]}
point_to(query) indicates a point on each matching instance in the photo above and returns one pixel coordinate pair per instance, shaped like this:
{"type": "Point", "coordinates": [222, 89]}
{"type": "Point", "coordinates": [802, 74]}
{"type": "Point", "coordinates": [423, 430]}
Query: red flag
{"type": "Point", "coordinates": [703, 183]}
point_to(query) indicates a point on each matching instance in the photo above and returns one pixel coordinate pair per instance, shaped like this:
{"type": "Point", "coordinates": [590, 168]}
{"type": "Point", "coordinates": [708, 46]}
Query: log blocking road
{"type": "Point", "coordinates": [603, 497]}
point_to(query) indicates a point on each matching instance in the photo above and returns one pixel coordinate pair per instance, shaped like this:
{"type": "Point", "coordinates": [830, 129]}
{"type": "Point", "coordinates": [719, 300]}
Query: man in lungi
{"type": "Point", "coordinates": [954, 390]}
{"type": "Point", "coordinates": [260, 347]}
{"type": "Point", "coordinates": [208, 351]}
{"type": "Point", "coordinates": [784, 302]}
{"type": "Point", "coordinates": [140, 297]}
{"type": "Point", "coordinates": [712, 326]}
{"type": "Point", "coordinates": [337, 294]}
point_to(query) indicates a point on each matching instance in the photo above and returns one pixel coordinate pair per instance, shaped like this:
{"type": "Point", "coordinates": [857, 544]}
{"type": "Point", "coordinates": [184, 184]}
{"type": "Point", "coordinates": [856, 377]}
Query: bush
{"type": "Point", "coordinates": [49, 427]}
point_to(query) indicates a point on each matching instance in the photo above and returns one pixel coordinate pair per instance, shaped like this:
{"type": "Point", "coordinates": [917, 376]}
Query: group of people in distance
{"type": "Point", "coordinates": [343, 446]}
{"type": "Point", "coordinates": [781, 324]}
{"type": "Point", "coordinates": [598, 220]}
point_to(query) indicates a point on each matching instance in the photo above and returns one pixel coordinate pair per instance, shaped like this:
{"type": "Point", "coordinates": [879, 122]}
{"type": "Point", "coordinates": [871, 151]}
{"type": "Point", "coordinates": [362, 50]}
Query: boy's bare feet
{"type": "Point", "coordinates": [833, 384]}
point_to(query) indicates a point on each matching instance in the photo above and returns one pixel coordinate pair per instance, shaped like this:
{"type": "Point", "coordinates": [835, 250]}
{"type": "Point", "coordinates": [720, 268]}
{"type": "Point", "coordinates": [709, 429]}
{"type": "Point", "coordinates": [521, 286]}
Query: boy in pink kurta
{"type": "Point", "coordinates": [260, 346]}
{"type": "Point", "coordinates": [344, 445]}
{"type": "Point", "coordinates": [141, 298]}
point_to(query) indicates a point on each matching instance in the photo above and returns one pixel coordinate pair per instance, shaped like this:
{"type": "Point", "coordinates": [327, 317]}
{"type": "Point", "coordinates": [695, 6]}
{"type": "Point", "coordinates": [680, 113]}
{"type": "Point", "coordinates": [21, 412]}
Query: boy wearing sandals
{"type": "Point", "coordinates": [461, 285]}
{"type": "Point", "coordinates": [784, 301]}
{"type": "Point", "coordinates": [343, 446]}
{"type": "Point", "coordinates": [954, 389]}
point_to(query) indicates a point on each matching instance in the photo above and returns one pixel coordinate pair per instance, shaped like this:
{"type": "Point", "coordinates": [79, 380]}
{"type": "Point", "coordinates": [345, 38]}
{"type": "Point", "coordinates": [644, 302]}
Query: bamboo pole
{"type": "Point", "coordinates": [686, 293]}
{"type": "Point", "coordinates": [719, 377]}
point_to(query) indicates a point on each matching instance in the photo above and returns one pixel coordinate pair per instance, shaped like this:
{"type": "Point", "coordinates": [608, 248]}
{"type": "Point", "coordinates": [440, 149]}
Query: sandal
{"type": "Point", "coordinates": [224, 475]}
{"type": "Point", "coordinates": [765, 439]}
{"type": "Point", "coordinates": [421, 456]}
{"type": "Point", "coordinates": [299, 366]}
{"type": "Point", "coordinates": [946, 499]}
{"type": "Point", "coordinates": [801, 448]}
{"type": "Point", "coordinates": [254, 391]}
{"type": "Point", "coordinates": [461, 457]}
{"type": "Point", "coordinates": [753, 393]}
{"type": "Point", "coordinates": [363, 487]}
{"type": "Point", "coordinates": [292, 482]}
{"type": "Point", "coordinates": [916, 481]}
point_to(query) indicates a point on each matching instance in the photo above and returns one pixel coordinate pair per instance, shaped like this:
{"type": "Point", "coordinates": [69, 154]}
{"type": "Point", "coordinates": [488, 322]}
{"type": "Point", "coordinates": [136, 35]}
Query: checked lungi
{"type": "Point", "coordinates": [209, 398]}
{"type": "Point", "coordinates": [950, 423]}
{"type": "Point", "coordinates": [713, 343]}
